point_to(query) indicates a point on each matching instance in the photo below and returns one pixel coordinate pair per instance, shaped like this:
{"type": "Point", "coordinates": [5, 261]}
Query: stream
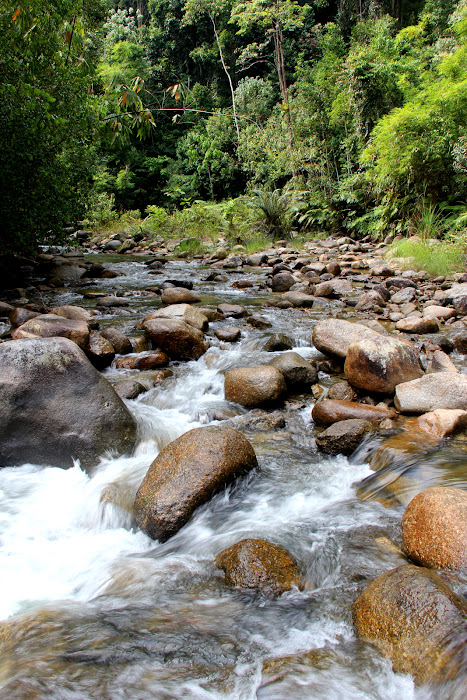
{"type": "Point", "coordinates": [94, 609]}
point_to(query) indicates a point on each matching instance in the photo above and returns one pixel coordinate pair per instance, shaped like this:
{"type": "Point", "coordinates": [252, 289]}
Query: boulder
{"type": "Point", "coordinates": [324, 289]}
{"type": "Point", "coordinates": [56, 407]}
{"type": "Point", "coordinates": [404, 295]}
{"type": "Point", "coordinates": [5, 309]}
{"type": "Point", "coordinates": [254, 386]}
{"type": "Point", "coordinates": [411, 615]}
{"type": "Point", "coordinates": [128, 389]}
{"type": "Point", "coordinates": [369, 301]}
{"type": "Point", "coordinates": [282, 281]}
{"type": "Point", "coordinates": [259, 565]}
{"type": "Point", "coordinates": [75, 313]}
{"type": "Point", "coordinates": [329, 411]}
{"type": "Point", "coordinates": [230, 334]}
{"type": "Point", "coordinates": [149, 360]}
{"type": "Point", "coordinates": [418, 325]}
{"type": "Point", "coordinates": [112, 302]}
{"type": "Point", "coordinates": [67, 272]}
{"type": "Point", "coordinates": [122, 344]}
{"type": "Point", "coordinates": [232, 310]}
{"type": "Point", "coordinates": [256, 259]}
{"type": "Point", "coordinates": [183, 312]}
{"type": "Point", "coordinates": [20, 315]}
{"type": "Point", "coordinates": [299, 299]}
{"type": "Point", "coordinates": [179, 295]}
{"type": "Point", "coordinates": [51, 326]}
{"type": "Point", "coordinates": [443, 313]}
{"type": "Point", "coordinates": [298, 373]}
{"type": "Point", "coordinates": [100, 351]}
{"type": "Point", "coordinates": [333, 336]}
{"type": "Point", "coordinates": [186, 474]}
{"type": "Point", "coordinates": [443, 422]}
{"type": "Point", "coordinates": [343, 437]}
{"type": "Point", "coordinates": [341, 391]}
{"type": "Point", "coordinates": [460, 342]}
{"type": "Point", "coordinates": [176, 338]}
{"type": "Point", "coordinates": [434, 528]}
{"type": "Point", "coordinates": [277, 343]}
{"type": "Point", "coordinates": [432, 391]}
{"type": "Point", "coordinates": [440, 362]}
{"type": "Point", "coordinates": [380, 363]}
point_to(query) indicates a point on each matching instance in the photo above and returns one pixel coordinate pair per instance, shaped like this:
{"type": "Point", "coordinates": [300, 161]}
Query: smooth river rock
{"type": "Point", "coordinates": [432, 391]}
{"type": "Point", "coordinates": [380, 363]}
{"type": "Point", "coordinates": [179, 295]}
{"type": "Point", "coordinates": [50, 326]}
{"type": "Point", "coordinates": [333, 336]}
{"type": "Point", "coordinates": [259, 565]}
{"type": "Point", "coordinates": [343, 437]}
{"type": "Point", "coordinates": [411, 615]}
{"type": "Point", "coordinates": [56, 407]}
{"type": "Point", "coordinates": [182, 312]}
{"type": "Point", "coordinates": [254, 386]}
{"type": "Point", "coordinates": [434, 528]}
{"type": "Point", "coordinates": [330, 411]}
{"type": "Point", "coordinates": [298, 373]}
{"type": "Point", "coordinates": [186, 474]}
{"type": "Point", "coordinates": [176, 338]}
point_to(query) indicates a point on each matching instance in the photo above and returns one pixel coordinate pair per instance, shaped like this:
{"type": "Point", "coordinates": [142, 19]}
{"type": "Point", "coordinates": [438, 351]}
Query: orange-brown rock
{"type": "Point", "coordinates": [119, 340]}
{"type": "Point", "coordinates": [254, 386]}
{"type": "Point", "coordinates": [176, 338]}
{"type": "Point", "coordinates": [329, 411]}
{"type": "Point", "coordinates": [411, 615]}
{"type": "Point", "coordinates": [434, 528]}
{"type": "Point", "coordinates": [75, 313]}
{"type": "Point", "coordinates": [51, 326]}
{"type": "Point", "coordinates": [186, 474]}
{"type": "Point", "coordinates": [259, 565]}
{"type": "Point", "coordinates": [380, 363]}
{"type": "Point", "coordinates": [443, 422]}
{"type": "Point", "coordinates": [20, 315]}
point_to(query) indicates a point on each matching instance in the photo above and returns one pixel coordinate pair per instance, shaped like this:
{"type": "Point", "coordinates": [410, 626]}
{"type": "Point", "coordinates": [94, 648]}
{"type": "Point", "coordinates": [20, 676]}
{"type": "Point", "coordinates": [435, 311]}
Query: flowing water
{"type": "Point", "coordinates": [94, 609]}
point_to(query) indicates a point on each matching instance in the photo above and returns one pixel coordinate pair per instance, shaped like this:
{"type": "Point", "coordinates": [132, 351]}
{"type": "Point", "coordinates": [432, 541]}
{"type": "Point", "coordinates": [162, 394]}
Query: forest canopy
{"type": "Point", "coordinates": [354, 109]}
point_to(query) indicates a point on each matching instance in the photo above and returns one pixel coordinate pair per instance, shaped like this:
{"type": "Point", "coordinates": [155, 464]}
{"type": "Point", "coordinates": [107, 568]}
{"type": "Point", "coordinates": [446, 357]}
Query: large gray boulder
{"type": "Point", "coordinates": [56, 407]}
{"type": "Point", "coordinates": [333, 336]}
{"type": "Point", "coordinates": [186, 474]}
{"type": "Point", "coordinates": [380, 363]}
{"type": "Point", "coordinates": [432, 391]}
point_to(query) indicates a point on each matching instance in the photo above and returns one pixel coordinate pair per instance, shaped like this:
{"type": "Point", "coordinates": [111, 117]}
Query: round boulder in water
{"type": "Point", "coordinates": [434, 528]}
{"type": "Point", "coordinates": [56, 407]}
{"type": "Point", "coordinates": [259, 565]}
{"type": "Point", "coordinates": [255, 386]}
{"type": "Point", "coordinates": [411, 615]}
{"type": "Point", "coordinates": [298, 373]}
{"type": "Point", "coordinates": [186, 474]}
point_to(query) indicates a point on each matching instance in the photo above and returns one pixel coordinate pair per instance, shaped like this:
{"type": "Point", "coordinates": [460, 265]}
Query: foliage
{"type": "Point", "coordinates": [435, 257]}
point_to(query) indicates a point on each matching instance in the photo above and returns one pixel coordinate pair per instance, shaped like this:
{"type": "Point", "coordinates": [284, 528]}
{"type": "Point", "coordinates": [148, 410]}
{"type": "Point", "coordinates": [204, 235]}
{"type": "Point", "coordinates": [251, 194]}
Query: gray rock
{"type": "Point", "coordinates": [432, 391]}
{"type": "Point", "coordinates": [332, 336]}
{"type": "Point", "coordinates": [277, 343]}
{"type": "Point", "coordinates": [298, 299]}
{"type": "Point", "coordinates": [56, 407]}
{"type": "Point", "coordinates": [343, 437]}
{"type": "Point", "coordinates": [298, 373]}
{"type": "Point", "coordinates": [283, 281]}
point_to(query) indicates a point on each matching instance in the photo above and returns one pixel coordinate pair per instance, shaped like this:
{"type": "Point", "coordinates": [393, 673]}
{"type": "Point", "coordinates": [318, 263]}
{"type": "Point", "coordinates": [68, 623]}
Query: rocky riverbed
{"type": "Point", "coordinates": [238, 476]}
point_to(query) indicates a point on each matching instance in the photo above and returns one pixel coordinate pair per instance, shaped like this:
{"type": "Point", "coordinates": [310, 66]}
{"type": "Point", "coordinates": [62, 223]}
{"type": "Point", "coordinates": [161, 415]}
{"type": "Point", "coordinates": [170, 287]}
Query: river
{"type": "Point", "coordinates": [94, 609]}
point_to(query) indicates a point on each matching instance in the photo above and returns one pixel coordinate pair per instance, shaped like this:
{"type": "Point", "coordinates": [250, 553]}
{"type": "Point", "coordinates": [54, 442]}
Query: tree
{"type": "Point", "coordinates": [47, 117]}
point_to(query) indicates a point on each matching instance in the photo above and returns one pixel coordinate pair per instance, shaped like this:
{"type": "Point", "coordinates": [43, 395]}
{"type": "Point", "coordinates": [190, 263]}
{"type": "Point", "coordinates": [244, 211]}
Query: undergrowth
{"type": "Point", "coordinates": [435, 257]}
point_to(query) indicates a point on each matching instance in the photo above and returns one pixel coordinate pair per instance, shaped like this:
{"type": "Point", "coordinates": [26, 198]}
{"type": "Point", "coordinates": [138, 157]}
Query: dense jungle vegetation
{"type": "Point", "coordinates": [185, 116]}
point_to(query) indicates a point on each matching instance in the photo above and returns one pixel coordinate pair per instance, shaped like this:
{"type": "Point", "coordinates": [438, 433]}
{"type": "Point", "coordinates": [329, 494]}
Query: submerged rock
{"type": "Point", "coordinates": [56, 407]}
{"type": "Point", "coordinates": [434, 528]}
{"type": "Point", "coordinates": [259, 565]}
{"type": "Point", "coordinates": [410, 614]}
{"type": "Point", "coordinates": [186, 474]}
{"type": "Point", "coordinates": [254, 386]}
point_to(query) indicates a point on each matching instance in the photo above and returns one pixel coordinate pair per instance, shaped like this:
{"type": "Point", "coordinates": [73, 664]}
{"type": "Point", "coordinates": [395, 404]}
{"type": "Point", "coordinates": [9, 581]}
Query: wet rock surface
{"type": "Point", "coordinates": [186, 474]}
{"type": "Point", "coordinates": [255, 386]}
{"type": "Point", "coordinates": [259, 565]}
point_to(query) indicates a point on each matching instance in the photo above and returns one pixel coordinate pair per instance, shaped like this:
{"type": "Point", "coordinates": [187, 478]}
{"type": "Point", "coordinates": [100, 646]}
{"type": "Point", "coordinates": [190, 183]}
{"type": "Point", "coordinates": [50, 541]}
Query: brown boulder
{"type": "Point", "coordinates": [232, 310]}
{"type": "Point", "coordinates": [230, 334]}
{"type": "Point", "coordinates": [182, 312]}
{"type": "Point", "coordinates": [259, 565]}
{"type": "Point", "coordinates": [122, 344]}
{"type": "Point", "coordinates": [75, 313]}
{"type": "Point", "coordinates": [333, 336]}
{"type": "Point", "coordinates": [100, 351]}
{"type": "Point", "coordinates": [432, 391]}
{"type": "Point", "coordinates": [380, 363]}
{"type": "Point", "coordinates": [254, 386]}
{"type": "Point", "coordinates": [186, 474]}
{"type": "Point", "coordinates": [20, 315]}
{"type": "Point", "coordinates": [330, 411]}
{"type": "Point", "coordinates": [418, 325]}
{"type": "Point", "coordinates": [434, 528]}
{"type": "Point", "coordinates": [176, 338]}
{"type": "Point", "coordinates": [411, 614]}
{"type": "Point", "coordinates": [179, 295]}
{"type": "Point", "coordinates": [51, 326]}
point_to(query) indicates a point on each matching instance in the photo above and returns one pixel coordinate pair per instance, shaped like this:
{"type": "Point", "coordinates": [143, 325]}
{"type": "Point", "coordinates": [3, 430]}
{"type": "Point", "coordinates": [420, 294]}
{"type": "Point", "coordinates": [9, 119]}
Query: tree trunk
{"type": "Point", "coordinates": [232, 91]}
